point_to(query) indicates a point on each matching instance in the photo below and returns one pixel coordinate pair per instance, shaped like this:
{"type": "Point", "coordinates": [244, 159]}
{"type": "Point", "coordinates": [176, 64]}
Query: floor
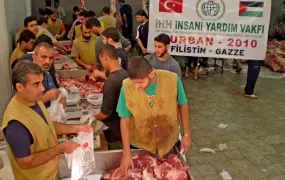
{"type": "Point", "coordinates": [255, 136]}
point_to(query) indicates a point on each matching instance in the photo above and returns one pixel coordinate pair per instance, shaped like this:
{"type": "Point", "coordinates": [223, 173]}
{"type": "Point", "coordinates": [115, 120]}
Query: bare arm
{"type": "Point", "coordinates": [45, 98]}
{"type": "Point", "coordinates": [186, 138]}
{"type": "Point", "coordinates": [140, 44]}
{"type": "Point", "coordinates": [81, 63]}
{"type": "Point", "coordinates": [101, 116]}
{"type": "Point", "coordinates": [99, 74]}
{"type": "Point", "coordinates": [62, 129]}
{"type": "Point", "coordinates": [62, 34]}
{"type": "Point", "coordinates": [125, 132]}
{"type": "Point", "coordinates": [184, 116]}
{"type": "Point", "coordinates": [128, 48]}
{"type": "Point", "coordinates": [59, 46]}
{"type": "Point", "coordinates": [125, 19]}
{"type": "Point", "coordinates": [40, 158]}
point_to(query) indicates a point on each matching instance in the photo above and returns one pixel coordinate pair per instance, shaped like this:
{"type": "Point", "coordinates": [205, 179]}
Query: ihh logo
{"type": "Point", "coordinates": [171, 6]}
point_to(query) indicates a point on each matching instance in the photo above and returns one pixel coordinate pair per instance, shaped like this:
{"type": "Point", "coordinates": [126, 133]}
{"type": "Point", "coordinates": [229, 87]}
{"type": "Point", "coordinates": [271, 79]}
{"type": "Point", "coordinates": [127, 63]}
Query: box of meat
{"type": "Point", "coordinates": [146, 167]}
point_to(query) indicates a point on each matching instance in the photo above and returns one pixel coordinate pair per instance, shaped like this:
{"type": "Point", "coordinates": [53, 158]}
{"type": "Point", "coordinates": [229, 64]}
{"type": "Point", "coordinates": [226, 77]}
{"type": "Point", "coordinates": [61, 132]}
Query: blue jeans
{"type": "Point", "coordinates": [254, 67]}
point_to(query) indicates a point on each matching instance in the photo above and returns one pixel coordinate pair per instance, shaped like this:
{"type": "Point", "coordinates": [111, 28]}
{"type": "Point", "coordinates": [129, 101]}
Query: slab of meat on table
{"type": "Point", "coordinates": [275, 56]}
{"type": "Point", "coordinates": [85, 85]}
{"type": "Point", "coordinates": [149, 168]}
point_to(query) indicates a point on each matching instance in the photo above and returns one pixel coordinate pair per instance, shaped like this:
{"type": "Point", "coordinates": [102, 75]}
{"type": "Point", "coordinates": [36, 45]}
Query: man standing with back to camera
{"type": "Point", "coordinates": [126, 13]}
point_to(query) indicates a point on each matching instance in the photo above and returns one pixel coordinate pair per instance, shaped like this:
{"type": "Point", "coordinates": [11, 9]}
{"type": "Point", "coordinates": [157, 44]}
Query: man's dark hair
{"type": "Point", "coordinates": [110, 51]}
{"type": "Point", "coordinates": [28, 20]}
{"type": "Point", "coordinates": [163, 38]}
{"type": "Point", "coordinates": [139, 67]}
{"type": "Point", "coordinates": [22, 70]}
{"type": "Point", "coordinates": [43, 39]}
{"type": "Point", "coordinates": [56, 1]}
{"type": "Point", "coordinates": [122, 1]}
{"type": "Point", "coordinates": [48, 3]}
{"type": "Point", "coordinates": [106, 10]}
{"type": "Point", "coordinates": [142, 13]}
{"type": "Point", "coordinates": [112, 33]}
{"type": "Point", "coordinates": [42, 20]}
{"type": "Point", "coordinates": [92, 14]}
{"type": "Point", "coordinates": [84, 13]}
{"type": "Point", "coordinates": [76, 9]}
{"type": "Point", "coordinates": [26, 36]}
{"type": "Point", "coordinates": [93, 22]}
{"type": "Point", "coordinates": [45, 11]}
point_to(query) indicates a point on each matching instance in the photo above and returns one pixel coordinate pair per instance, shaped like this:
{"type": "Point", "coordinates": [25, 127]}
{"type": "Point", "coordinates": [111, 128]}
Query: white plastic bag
{"type": "Point", "coordinates": [82, 161]}
{"type": "Point", "coordinates": [56, 109]}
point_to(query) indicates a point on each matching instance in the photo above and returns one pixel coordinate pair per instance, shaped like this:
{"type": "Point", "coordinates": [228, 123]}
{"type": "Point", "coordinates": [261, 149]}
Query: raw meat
{"type": "Point", "coordinates": [275, 56]}
{"type": "Point", "coordinates": [148, 168]}
{"type": "Point", "coordinates": [86, 85]}
{"type": "Point", "coordinates": [144, 162]}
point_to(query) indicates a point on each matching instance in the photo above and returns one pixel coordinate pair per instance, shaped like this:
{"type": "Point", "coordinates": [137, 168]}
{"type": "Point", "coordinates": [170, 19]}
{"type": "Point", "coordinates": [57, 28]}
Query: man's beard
{"type": "Point", "coordinates": [87, 37]}
{"type": "Point", "coordinates": [165, 51]}
{"type": "Point", "coordinates": [46, 67]}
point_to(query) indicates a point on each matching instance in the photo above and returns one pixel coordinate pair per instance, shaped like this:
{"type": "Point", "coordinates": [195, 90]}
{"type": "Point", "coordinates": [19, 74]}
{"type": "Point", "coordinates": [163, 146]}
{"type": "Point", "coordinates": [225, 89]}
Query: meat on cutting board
{"type": "Point", "coordinates": [149, 168]}
{"type": "Point", "coordinates": [86, 85]}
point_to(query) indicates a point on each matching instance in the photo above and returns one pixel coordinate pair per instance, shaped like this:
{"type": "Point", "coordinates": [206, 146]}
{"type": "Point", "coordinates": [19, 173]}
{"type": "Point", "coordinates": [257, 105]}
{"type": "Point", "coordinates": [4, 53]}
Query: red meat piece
{"type": "Point", "coordinates": [144, 162]}
{"type": "Point", "coordinates": [175, 174]}
{"type": "Point", "coordinates": [175, 162]}
{"type": "Point", "coordinates": [162, 170]}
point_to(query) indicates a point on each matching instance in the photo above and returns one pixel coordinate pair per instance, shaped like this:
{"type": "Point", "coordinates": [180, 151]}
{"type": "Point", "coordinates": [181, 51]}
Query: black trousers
{"type": "Point", "coordinates": [189, 60]}
{"type": "Point", "coordinates": [252, 75]}
{"type": "Point", "coordinates": [127, 32]}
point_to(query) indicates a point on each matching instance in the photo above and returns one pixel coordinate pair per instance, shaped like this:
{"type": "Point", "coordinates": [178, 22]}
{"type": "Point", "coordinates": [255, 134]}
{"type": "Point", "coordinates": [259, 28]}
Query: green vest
{"type": "Point", "coordinates": [44, 136]}
{"type": "Point", "coordinates": [154, 128]}
{"type": "Point", "coordinates": [77, 31]}
{"type": "Point", "coordinates": [54, 29]}
{"type": "Point", "coordinates": [108, 21]}
{"type": "Point", "coordinates": [86, 49]}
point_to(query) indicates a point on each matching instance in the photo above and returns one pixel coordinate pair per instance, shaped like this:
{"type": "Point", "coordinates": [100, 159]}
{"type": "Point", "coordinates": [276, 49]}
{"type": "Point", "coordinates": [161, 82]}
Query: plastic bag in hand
{"type": "Point", "coordinates": [56, 109]}
{"type": "Point", "coordinates": [83, 159]}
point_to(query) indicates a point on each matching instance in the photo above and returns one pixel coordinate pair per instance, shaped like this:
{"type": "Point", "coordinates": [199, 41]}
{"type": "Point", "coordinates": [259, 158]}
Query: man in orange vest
{"type": "Point", "coordinates": [30, 135]}
{"type": "Point", "coordinates": [151, 104]}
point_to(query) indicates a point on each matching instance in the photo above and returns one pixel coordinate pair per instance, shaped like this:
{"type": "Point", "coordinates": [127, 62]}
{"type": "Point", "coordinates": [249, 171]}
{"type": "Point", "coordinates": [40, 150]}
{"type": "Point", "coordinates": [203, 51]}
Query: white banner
{"type": "Point", "coordinates": [235, 29]}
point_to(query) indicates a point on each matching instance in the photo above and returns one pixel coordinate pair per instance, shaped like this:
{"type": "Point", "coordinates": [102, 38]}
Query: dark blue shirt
{"type": "Point", "coordinates": [19, 137]}
{"type": "Point", "coordinates": [127, 10]}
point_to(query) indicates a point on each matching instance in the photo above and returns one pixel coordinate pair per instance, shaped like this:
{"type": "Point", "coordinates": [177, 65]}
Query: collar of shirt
{"type": "Point", "coordinates": [144, 23]}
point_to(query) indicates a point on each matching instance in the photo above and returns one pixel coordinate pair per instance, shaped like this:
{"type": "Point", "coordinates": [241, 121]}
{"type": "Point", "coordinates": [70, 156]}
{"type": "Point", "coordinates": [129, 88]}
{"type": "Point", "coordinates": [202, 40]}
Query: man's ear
{"type": "Point", "coordinates": [167, 46]}
{"type": "Point", "coordinates": [20, 87]}
{"type": "Point", "coordinates": [152, 73]}
{"type": "Point", "coordinates": [34, 57]}
{"type": "Point", "coordinates": [110, 41]}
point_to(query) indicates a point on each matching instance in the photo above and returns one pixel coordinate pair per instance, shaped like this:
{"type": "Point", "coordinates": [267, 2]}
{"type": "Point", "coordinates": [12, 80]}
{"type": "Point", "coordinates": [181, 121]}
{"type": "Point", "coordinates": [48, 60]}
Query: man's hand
{"type": "Point", "coordinates": [126, 25]}
{"type": "Point", "coordinates": [144, 50]}
{"type": "Point", "coordinates": [96, 73]}
{"type": "Point", "coordinates": [185, 144]}
{"type": "Point", "coordinates": [84, 128]}
{"type": "Point", "coordinates": [52, 94]}
{"type": "Point", "coordinates": [89, 67]}
{"type": "Point", "coordinates": [69, 147]}
{"type": "Point", "coordinates": [57, 36]}
{"type": "Point", "coordinates": [126, 163]}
